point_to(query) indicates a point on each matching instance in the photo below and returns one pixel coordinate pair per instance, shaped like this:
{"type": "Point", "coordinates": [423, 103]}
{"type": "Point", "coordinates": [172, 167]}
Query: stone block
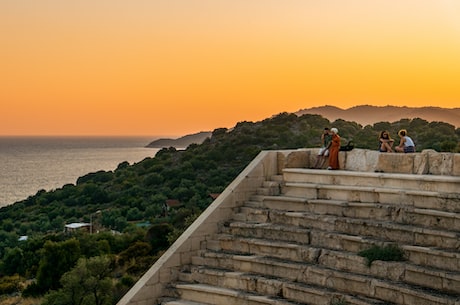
{"type": "Point", "coordinates": [301, 293]}
{"type": "Point", "coordinates": [420, 276]}
{"type": "Point", "coordinates": [297, 159]}
{"type": "Point", "coordinates": [392, 270]}
{"type": "Point", "coordinates": [421, 163]}
{"type": "Point", "coordinates": [440, 163]}
{"type": "Point", "coordinates": [456, 165]}
{"type": "Point", "coordinates": [349, 283]}
{"type": "Point", "coordinates": [280, 161]}
{"type": "Point", "coordinates": [359, 160]}
{"type": "Point", "coordinates": [396, 163]}
{"type": "Point", "coordinates": [387, 292]}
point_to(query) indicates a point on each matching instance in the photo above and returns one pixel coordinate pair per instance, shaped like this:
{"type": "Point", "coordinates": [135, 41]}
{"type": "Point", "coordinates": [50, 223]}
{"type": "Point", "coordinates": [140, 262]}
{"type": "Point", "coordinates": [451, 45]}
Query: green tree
{"type": "Point", "coordinates": [58, 258]}
{"type": "Point", "coordinates": [13, 261]}
{"type": "Point", "coordinates": [157, 236]}
{"type": "Point", "coordinates": [89, 283]}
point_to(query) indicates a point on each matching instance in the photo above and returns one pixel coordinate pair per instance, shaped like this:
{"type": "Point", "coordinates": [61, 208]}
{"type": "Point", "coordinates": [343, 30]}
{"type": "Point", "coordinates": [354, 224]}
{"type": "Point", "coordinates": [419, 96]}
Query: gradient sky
{"type": "Point", "coordinates": [174, 67]}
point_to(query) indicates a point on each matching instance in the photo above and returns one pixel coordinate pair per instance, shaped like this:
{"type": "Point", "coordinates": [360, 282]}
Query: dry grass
{"type": "Point", "coordinates": [17, 300]}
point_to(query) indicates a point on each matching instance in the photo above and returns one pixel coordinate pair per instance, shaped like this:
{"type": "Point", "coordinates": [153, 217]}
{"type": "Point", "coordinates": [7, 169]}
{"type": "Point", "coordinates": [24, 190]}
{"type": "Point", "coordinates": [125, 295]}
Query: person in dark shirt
{"type": "Point", "coordinates": [323, 153]}
{"type": "Point", "coordinates": [385, 142]}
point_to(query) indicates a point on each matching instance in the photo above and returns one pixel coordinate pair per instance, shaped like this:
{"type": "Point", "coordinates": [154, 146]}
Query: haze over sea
{"type": "Point", "coordinates": [30, 164]}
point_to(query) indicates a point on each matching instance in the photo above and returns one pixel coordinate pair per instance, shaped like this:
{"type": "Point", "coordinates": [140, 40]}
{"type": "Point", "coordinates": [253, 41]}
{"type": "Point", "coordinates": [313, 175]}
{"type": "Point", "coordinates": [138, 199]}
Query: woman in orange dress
{"type": "Point", "coordinates": [334, 150]}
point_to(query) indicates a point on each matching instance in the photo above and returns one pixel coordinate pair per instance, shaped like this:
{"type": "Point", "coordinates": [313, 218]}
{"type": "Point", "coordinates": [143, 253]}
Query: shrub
{"type": "Point", "coordinates": [9, 284]}
{"type": "Point", "coordinates": [386, 253]}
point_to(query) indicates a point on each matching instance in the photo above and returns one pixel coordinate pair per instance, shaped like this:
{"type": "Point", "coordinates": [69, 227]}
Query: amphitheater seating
{"type": "Point", "coordinates": [297, 241]}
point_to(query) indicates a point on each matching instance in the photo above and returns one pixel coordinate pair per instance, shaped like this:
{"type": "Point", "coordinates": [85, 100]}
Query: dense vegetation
{"type": "Point", "coordinates": [133, 222]}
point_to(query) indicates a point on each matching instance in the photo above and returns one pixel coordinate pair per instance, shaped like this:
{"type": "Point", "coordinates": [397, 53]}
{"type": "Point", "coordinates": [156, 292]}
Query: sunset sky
{"type": "Point", "coordinates": [174, 67]}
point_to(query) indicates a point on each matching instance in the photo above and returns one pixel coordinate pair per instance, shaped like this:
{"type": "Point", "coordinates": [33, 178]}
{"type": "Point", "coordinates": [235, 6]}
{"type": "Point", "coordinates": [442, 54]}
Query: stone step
{"type": "Point", "coordinates": [369, 194]}
{"type": "Point", "coordinates": [384, 230]}
{"type": "Point", "coordinates": [434, 183]}
{"type": "Point", "coordinates": [270, 188]}
{"type": "Point", "coordinates": [181, 302]}
{"type": "Point", "coordinates": [310, 274]}
{"type": "Point", "coordinates": [208, 294]}
{"type": "Point", "coordinates": [418, 255]}
{"type": "Point", "coordinates": [273, 287]}
{"type": "Point", "coordinates": [447, 280]}
{"type": "Point", "coordinates": [269, 231]}
{"type": "Point", "coordinates": [384, 212]}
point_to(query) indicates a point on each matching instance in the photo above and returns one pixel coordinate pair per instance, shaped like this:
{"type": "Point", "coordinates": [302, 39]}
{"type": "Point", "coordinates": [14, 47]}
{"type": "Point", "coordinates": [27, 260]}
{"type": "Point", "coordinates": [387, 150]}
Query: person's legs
{"type": "Point", "coordinates": [318, 161]}
{"type": "Point", "coordinates": [409, 149]}
{"type": "Point", "coordinates": [334, 159]}
{"type": "Point", "coordinates": [324, 157]}
{"type": "Point", "coordinates": [321, 162]}
{"type": "Point", "coordinates": [385, 147]}
{"type": "Point", "coordinates": [320, 158]}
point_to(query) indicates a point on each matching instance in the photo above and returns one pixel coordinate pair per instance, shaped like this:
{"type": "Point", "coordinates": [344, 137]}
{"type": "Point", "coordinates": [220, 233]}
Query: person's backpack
{"type": "Point", "coordinates": [350, 145]}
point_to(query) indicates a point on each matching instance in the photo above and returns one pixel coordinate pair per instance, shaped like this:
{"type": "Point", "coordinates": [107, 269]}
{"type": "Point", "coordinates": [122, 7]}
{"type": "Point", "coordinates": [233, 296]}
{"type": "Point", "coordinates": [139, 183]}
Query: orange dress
{"type": "Point", "coordinates": [334, 152]}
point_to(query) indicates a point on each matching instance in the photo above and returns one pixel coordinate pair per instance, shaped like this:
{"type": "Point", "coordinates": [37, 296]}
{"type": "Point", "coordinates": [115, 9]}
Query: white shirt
{"type": "Point", "coordinates": [408, 141]}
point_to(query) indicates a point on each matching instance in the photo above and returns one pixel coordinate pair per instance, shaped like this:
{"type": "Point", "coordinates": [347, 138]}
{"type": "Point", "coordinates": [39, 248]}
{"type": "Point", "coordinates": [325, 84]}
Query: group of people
{"type": "Point", "coordinates": [406, 144]}
{"type": "Point", "coordinates": [330, 146]}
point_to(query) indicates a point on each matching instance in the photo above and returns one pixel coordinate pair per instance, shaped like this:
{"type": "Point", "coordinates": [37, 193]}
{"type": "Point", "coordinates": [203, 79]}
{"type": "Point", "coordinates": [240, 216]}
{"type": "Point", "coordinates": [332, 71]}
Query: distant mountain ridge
{"type": "Point", "coordinates": [182, 142]}
{"type": "Point", "coordinates": [364, 115]}
{"type": "Point", "coordinates": [368, 115]}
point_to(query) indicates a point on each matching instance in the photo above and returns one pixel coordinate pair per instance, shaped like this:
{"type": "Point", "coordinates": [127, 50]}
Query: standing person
{"type": "Point", "coordinates": [406, 144]}
{"type": "Point", "coordinates": [385, 142]}
{"type": "Point", "coordinates": [323, 153]}
{"type": "Point", "coordinates": [334, 149]}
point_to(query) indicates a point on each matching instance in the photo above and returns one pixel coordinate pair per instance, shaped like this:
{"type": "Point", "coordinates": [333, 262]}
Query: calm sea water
{"type": "Point", "coordinates": [30, 164]}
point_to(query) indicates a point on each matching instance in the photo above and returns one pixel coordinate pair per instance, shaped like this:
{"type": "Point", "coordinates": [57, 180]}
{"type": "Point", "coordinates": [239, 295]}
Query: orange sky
{"type": "Point", "coordinates": [174, 67]}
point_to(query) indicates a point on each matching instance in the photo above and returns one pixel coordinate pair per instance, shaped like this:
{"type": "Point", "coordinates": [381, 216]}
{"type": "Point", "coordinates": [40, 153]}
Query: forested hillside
{"type": "Point", "coordinates": [367, 114]}
{"type": "Point", "coordinates": [138, 210]}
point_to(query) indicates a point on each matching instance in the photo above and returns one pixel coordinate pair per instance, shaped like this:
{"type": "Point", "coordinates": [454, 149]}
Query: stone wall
{"type": "Point", "coordinates": [427, 162]}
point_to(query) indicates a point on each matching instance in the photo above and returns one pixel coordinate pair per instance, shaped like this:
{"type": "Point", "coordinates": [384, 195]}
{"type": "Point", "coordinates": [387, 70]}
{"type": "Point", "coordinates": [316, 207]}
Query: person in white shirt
{"type": "Point", "coordinates": [406, 144]}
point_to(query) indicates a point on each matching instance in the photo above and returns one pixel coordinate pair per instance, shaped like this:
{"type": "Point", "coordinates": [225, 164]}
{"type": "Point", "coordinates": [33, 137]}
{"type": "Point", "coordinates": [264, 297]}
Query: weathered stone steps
{"type": "Point", "coordinates": [180, 302]}
{"type": "Point", "coordinates": [383, 230]}
{"type": "Point", "coordinates": [428, 256]}
{"type": "Point", "coordinates": [402, 214]}
{"type": "Point", "coordinates": [316, 275]}
{"type": "Point", "coordinates": [370, 194]}
{"type": "Point", "coordinates": [298, 242]}
{"type": "Point", "coordinates": [433, 183]}
{"type": "Point", "coordinates": [447, 280]}
{"type": "Point", "coordinates": [270, 188]}
{"type": "Point", "coordinates": [271, 287]}
{"type": "Point", "coordinates": [211, 294]}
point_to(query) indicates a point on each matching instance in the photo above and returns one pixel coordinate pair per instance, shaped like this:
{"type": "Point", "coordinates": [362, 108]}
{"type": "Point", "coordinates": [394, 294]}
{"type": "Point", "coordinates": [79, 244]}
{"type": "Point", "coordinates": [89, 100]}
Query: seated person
{"type": "Point", "coordinates": [406, 144]}
{"type": "Point", "coordinates": [385, 142]}
{"type": "Point", "coordinates": [323, 153]}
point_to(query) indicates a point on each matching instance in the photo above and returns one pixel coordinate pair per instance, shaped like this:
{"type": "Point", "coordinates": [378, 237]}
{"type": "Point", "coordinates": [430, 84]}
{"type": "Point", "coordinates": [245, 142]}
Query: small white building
{"type": "Point", "coordinates": [75, 226]}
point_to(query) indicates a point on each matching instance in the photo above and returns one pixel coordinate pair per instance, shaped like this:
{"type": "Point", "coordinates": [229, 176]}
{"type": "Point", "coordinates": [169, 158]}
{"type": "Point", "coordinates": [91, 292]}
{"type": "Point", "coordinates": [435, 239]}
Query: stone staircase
{"type": "Point", "coordinates": [297, 241]}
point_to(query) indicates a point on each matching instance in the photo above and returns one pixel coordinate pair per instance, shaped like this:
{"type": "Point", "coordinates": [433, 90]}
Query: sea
{"type": "Point", "coordinates": [30, 164]}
